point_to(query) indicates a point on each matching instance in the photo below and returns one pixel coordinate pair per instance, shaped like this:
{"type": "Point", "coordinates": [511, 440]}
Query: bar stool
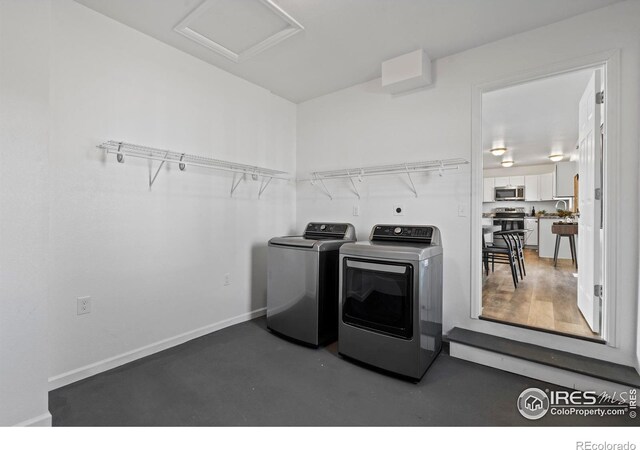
{"type": "Point", "coordinates": [567, 230]}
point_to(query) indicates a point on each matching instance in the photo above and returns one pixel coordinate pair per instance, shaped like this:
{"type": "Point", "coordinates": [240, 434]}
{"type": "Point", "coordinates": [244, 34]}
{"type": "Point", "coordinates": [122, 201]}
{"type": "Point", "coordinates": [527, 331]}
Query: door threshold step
{"type": "Point", "coordinates": [596, 368]}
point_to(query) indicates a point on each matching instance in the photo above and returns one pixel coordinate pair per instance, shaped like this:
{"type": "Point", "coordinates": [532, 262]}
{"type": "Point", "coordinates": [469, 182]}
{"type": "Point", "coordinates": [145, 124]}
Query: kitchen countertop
{"type": "Point", "coordinates": [492, 215]}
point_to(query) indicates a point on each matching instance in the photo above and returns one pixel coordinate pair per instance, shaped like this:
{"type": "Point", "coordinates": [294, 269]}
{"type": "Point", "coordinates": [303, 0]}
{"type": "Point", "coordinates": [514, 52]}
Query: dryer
{"type": "Point", "coordinates": [391, 299]}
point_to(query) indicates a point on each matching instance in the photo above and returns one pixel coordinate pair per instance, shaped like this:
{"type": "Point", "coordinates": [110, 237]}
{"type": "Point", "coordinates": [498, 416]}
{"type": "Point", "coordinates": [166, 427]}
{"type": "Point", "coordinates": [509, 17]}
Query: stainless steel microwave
{"type": "Point", "coordinates": [509, 193]}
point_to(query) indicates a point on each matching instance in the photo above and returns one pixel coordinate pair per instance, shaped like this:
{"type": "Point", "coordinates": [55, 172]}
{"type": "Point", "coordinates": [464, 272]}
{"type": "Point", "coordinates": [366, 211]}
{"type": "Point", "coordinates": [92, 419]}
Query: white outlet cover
{"type": "Point", "coordinates": [84, 305]}
{"type": "Point", "coordinates": [398, 210]}
{"type": "Point", "coordinates": [356, 210]}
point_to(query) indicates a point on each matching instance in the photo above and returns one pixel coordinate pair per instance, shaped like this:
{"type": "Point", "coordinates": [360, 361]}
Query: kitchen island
{"type": "Point", "coordinates": [547, 240]}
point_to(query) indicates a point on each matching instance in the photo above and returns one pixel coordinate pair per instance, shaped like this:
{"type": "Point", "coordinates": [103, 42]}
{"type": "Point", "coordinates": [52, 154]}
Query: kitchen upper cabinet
{"type": "Point", "coordinates": [545, 186]}
{"type": "Point", "coordinates": [509, 181]}
{"type": "Point", "coordinates": [531, 190]}
{"type": "Point", "coordinates": [565, 171]}
{"type": "Point", "coordinates": [516, 181]}
{"type": "Point", "coordinates": [488, 191]}
{"type": "Point", "coordinates": [501, 181]}
{"type": "Point", "coordinates": [536, 187]}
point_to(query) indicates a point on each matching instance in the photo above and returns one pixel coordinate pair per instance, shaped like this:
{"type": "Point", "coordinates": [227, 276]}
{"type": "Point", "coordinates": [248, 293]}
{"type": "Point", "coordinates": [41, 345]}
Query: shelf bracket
{"type": "Point", "coordinates": [322, 188]}
{"type": "Point", "coordinates": [119, 156]}
{"type": "Point", "coordinates": [152, 180]}
{"type": "Point", "coordinates": [234, 183]}
{"type": "Point", "coordinates": [263, 185]}
{"type": "Point", "coordinates": [355, 189]}
{"type": "Point", "coordinates": [413, 186]}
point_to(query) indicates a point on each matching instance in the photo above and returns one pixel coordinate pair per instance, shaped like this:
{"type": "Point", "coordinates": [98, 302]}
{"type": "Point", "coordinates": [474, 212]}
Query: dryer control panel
{"type": "Point", "coordinates": [403, 233]}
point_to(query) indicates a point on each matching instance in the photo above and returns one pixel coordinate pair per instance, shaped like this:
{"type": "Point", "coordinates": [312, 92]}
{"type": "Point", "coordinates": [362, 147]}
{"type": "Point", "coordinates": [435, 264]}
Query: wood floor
{"type": "Point", "coordinates": [546, 298]}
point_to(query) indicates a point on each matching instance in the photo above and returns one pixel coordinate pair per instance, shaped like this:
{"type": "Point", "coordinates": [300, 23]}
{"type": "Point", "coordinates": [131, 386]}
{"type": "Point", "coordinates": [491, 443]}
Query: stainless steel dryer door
{"type": "Point", "coordinates": [292, 292]}
{"type": "Point", "coordinates": [378, 296]}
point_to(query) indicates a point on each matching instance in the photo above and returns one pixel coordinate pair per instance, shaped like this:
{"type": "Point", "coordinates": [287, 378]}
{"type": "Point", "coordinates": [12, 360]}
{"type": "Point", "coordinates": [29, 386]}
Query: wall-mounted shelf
{"type": "Point", "coordinates": [318, 178]}
{"type": "Point", "coordinates": [240, 171]}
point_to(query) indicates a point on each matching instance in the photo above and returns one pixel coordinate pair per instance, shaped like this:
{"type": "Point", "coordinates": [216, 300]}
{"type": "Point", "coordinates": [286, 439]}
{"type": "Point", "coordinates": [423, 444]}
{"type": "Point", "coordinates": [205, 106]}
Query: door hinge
{"type": "Point", "coordinates": [598, 193]}
{"type": "Point", "coordinates": [597, 290]}
{"type": "Point", "coordinates": [600, 98]}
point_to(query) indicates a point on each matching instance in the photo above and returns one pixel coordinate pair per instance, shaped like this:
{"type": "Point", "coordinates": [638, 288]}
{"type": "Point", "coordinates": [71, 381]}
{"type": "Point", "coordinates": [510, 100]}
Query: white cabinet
{"type": "Point", "coordinates": [487, 222]}
{"type": "Point", "coordinates": [532, 236]}
{"type": "Point", "coordinates": [531, 191]}
{"type": "Point", "coordinates": [536, 187]}
{"type": "Point", "coordinates": [565, 171]}
{"type": "Point", "coordinates": [509, 181]}
{"type": "Point", "coordinates": [547, 241]}
{"type": "Point", "coordinates": [516, 181]}
{"type": "Point", "coordinates": [488, 191]}
{"type": "Point", "coordinates": [545, 186]}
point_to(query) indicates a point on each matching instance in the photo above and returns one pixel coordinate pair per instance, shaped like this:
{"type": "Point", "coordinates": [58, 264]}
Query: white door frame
{"type": "Point", "coordinates": [610, 62]}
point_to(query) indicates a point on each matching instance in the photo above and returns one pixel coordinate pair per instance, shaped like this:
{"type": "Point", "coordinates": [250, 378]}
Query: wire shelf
{"type": "Point", "coordinates": [317, 178]}
{"type": "Point", "coordinates": [125, 149]}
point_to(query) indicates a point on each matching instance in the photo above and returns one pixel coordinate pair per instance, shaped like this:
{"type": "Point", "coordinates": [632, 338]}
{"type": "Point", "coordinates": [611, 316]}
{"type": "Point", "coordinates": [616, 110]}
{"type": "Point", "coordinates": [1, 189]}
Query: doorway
{"type": "Point", "coordinates": [541, 215]}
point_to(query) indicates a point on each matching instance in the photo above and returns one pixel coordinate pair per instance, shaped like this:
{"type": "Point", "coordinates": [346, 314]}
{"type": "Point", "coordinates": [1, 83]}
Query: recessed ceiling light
{"type": "Point", "coordinates": [557, 157]}
{"type": "Point", "coordinates": [507, 163]}
{"type": "Point", "coordinates": [499, 151]}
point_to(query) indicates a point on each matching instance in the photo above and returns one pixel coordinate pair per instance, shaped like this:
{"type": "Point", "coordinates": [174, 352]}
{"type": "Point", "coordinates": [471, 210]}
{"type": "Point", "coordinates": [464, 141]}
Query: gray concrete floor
{"type": "Point", "coordinates": [244, 375]}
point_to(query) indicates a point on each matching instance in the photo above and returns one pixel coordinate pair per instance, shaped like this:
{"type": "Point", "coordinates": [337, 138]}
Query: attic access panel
{"type": "Point", "coordinates": [236, 29]}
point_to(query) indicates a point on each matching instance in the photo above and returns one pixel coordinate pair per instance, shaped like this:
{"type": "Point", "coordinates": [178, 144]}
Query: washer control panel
{"type": "Point", "coordinates": [329, 230]}
{"type": "Point", "coordinates": [402, 233]}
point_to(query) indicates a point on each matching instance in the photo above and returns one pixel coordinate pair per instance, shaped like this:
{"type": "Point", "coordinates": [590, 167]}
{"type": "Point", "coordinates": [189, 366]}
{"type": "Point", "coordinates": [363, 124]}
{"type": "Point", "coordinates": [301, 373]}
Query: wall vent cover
{"type": "Point", "coordinates": [236, 29]}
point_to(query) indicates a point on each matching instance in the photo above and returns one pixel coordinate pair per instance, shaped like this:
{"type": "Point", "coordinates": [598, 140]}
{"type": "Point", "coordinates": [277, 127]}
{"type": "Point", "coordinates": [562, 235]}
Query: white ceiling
{"type": "Point", "coordinates": [345, 42]}
{"type": "Point", "coordinates": [533, 120]}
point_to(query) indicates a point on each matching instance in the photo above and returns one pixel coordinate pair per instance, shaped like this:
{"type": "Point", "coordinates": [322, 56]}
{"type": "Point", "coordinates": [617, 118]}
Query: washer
{"type": "Point", "coordinates": [302, 282]}
{"type": "Point", "coordinates": [391, 299]}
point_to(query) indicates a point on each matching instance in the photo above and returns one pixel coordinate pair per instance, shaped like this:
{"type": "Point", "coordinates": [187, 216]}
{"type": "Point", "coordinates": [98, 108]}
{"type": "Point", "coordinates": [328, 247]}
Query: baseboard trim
{"type": "Point", "coordinates": [43, 420]}
{"type": "Point", "coordinates": [81, 373]}
{"type": "Point", "coordinates": [534, 370]}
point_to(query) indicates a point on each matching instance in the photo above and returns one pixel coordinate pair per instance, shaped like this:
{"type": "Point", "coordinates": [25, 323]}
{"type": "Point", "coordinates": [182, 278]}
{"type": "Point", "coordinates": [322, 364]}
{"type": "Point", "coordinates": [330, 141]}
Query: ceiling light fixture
{"type": "Point", "coordinates": [499, 151]}
{"type": "Point", "coordinates": [507, 163]}
{"type": "Point", "coordinates": [557, 157]}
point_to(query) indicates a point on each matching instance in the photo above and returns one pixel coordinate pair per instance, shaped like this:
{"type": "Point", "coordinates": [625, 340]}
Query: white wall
{"type": "Point", "coordinates": [153, 261]}
{"type": "Point", "coordinates": [363, 126]}
{"type": "Point", "coordinates": [24, 98]}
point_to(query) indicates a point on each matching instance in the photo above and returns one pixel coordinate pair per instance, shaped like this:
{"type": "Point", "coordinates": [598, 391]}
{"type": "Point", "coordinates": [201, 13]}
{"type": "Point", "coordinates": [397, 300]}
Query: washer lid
{"type": "Point", "coordinates": [293, 241]}
{"type": "Point", "coordinates": [301, 242]}
{"type": "Point", "coordinates": [391, 250]}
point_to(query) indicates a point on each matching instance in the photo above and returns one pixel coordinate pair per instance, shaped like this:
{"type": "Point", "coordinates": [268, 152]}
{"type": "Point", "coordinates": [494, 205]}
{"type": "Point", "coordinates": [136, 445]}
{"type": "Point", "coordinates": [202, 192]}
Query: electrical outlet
{"type": "Point", "coordinates": [398, 210]}
{"type": "Point", "coordinates": [227, 279]}
{"type": "Point", "coordinates": [462, 210]}
{"type": "Point", "coordinates": [84, 305]}
{"type": "Point", "coordinates": [356, 210]}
